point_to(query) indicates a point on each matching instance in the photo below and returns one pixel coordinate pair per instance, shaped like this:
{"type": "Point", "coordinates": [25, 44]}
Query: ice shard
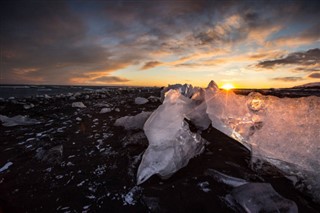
{"type": "Point", "coordinates": [171, 143]}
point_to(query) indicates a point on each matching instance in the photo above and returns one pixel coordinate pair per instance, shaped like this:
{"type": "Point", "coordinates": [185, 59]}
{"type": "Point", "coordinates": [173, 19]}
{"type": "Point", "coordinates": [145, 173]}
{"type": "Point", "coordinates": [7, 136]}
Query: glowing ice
{"type": "Point", "coordinates": [282, 131]}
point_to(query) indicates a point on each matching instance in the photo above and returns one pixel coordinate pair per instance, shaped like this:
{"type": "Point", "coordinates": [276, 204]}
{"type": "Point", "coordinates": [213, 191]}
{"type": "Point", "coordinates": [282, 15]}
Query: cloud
{"type": "Point", "coordinates": [77, 41]}
{"type": "Point", "coordinates": [109, 79]}
{"type": "Point", "coordinates": [314, 75]}
{"type": "Point", "coordinates": [310, 57]}
{"type": "Point", "coordinates": [150, 64]}
{"type": "Point", "coordinates": [288, 79]}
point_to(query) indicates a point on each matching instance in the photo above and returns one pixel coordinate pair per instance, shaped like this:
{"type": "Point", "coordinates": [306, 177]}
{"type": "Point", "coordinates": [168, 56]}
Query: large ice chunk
{"type": "Point", "coordinates": [171, 143]}
{"type": "Point", "coordinates": [17, 120]}
{"type": "Point", "coordinates": [133, 122]}
{"type": "Point", "coordinates": [282, 131]}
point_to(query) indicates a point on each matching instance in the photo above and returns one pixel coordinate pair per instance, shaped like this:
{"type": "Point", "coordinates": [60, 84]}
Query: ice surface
{"type": "Point", "coordinates": [140, 100]}
{"type": "Point", "coordinates": [259, 197]}
{"type": "Point", "coordinates": [133, 122]}
{"type": "Point", "coordinates": [17, 120]}
{"type": "Point", "coordinates": [6, 166]}
{"type": "Point", "coordinates": [171, 143]}
{"type": "Point", "coordinates": [282, 131]}
{"type": "Point", "coordinates": [78, 105]}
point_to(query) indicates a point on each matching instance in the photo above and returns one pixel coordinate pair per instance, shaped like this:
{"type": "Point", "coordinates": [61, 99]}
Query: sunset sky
{"type": "Point", "coordinates": [252, 44]}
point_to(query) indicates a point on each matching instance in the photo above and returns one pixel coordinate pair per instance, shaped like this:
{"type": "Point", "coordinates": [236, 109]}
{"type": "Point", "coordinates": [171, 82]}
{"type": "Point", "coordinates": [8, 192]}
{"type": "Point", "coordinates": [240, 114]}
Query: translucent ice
{"type": "Point", "coordinates": [259, 197]}
{"type": "Point", "coordinates": [186, 90]}
{"type": "Point", "coordinates": [282, 131]}
{"type": "Point", "coordinates": [17, 120]}
{"type": "Point", "coordinates": [133, 122]}
{"type": "Point", "coordinates": [171, 143]}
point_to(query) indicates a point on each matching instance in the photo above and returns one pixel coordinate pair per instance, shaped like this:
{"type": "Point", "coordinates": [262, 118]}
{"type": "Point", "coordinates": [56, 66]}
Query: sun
{"type": "Point", "coordinates": [227, 86]}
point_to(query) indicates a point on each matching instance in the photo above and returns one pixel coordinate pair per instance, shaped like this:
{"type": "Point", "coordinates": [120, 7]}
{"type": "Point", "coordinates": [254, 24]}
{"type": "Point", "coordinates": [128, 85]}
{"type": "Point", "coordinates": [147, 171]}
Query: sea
{"type": "Point", "coordinates": [23, 91]}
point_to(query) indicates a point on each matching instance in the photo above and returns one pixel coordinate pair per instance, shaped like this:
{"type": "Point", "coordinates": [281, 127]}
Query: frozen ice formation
{"type": "Point", "coordinates": [282, 131]}
{"type": "Point", "coordinates": [78, 105]}
{"type": "Point", "coordinates": [259, 197]}
{"type": "Point", "coordinates": [140, 100]}
{"type": "Point", "coordinates": [17, 120]}
{"type": "Point", "coordinates": [171, 143]}
{"type": "Point", "coordinates": [133, 122]}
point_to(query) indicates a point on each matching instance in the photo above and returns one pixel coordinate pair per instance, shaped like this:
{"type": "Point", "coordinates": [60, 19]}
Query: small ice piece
{"type": "Point", "coordinates": [226, 179]}
{"type": "Point", "coordinates": [140, 100]}
{"type": "Point", "coordinates": [105, 110]}
{"type": "Point", "coordinates": [28, 106]}
{"type": "Point", "coordinates": [81, 183]}
{"type": "Point", "coordinates": [47, 96]}
{"type": "Point", "coordinates": [78, 119]}
{"type": "Point", "coordinates": [17, 120]}
{"type": "Point", "coordinates": [131, 197]}
{"type": "Point", "coordinates": [6, 166]}
{"type": "Point", "coordinates": [78, 105]}
{"type": "Point", "coordinates": [204, 186]}
{"type": "Point", "coordinates": [133, 122]}
{"type": "Point", "coordinates": [259, 197]}
{"type": "Point", "coordinates": [91, 197]}
{"type": "Point", "coordinates": [171, 143]}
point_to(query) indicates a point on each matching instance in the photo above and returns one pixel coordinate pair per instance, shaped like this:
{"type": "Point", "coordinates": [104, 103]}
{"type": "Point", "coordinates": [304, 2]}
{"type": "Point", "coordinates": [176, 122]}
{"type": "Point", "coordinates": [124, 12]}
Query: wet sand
{"type": "Point", "coordinates": [77, 161]}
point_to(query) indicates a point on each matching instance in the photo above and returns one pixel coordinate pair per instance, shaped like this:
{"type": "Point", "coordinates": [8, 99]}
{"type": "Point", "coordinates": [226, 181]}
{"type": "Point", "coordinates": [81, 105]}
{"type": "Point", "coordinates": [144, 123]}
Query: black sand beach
{"type": "Point", "coordinates": [75, 160]}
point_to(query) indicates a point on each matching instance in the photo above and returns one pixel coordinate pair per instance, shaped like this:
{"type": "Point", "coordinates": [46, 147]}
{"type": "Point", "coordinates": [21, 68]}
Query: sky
{"type": "Point", "coordinates": [251, 44]}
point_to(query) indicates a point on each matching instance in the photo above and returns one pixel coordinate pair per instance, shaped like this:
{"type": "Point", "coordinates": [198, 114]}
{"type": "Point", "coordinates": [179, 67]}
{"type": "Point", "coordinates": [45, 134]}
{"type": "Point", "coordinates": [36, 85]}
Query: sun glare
{"type": "Point", "coordinates": [227, 86]}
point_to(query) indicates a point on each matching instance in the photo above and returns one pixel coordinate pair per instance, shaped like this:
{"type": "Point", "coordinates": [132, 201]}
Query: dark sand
{"type": "Point", "coordinates": [98, 165]}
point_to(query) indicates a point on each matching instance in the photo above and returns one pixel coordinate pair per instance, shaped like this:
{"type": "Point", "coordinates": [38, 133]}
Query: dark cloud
{"type": "Point", "coordinates": [150, 64]}
{"type": "Point", "coordinates": [310, 57]}
{"type": "Point", "coordinates": [287, 79]}
{"type": "Point", "coordinates": [314, 75]}
{"type": "Point", "coordinates": [56, 41]}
